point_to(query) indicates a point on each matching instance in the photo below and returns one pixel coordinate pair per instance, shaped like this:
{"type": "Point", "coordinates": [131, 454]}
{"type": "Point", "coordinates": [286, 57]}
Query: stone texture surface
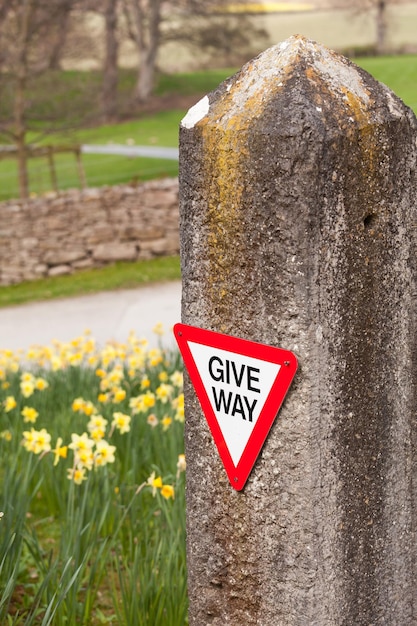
{"type": "Point", "coordinates": [58, 234]}
{"type": "Point", "coordinates": [298, 228]}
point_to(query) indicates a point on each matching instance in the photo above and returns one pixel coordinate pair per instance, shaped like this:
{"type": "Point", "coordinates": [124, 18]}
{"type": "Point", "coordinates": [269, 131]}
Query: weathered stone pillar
{"type": "Point", "coordinates": [298, 229]}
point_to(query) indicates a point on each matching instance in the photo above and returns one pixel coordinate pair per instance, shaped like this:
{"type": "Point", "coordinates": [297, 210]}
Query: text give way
{"type": "Point", "coordinates": [237, 387]}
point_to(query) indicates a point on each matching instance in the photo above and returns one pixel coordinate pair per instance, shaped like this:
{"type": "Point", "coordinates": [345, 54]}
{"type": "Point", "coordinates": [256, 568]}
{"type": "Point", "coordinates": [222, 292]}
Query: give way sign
{"type": "Point", "coordinates": [240, 385]}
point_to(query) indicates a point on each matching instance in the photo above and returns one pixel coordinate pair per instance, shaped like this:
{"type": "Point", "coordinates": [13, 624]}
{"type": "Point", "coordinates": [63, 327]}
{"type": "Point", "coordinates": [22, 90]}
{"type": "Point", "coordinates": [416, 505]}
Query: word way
{"type": "Point", "coordinates": [240, 376]}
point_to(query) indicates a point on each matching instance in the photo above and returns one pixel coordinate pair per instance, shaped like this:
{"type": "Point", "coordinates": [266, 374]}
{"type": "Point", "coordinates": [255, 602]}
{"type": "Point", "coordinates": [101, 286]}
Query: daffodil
{"type": "Point", "coordinates": [77, 404]}
{"type": "Point", "coordinates": [27, 377]}
{"type": "Point", "coordinates": [104, 453]}
{"type": "Point", "coordinates": [77, 475]}
{"type": "Point", "coordinates": [84, 457]}
{"type": "Point", "coordinates": [29, 414]}
{"type": "Point", "coordinates": [178, 404]}
{"type": "Point", "coordinates": [104, 384]}
{"type": "Point", "coordinates": [88, 408]}
{"type": "Point", "coordinates": [181, 463]}
{"type": "Point", "coordinates": [92, 360]}
{"type": "Point", "coordinates": [97, 427]}
{"type": "Point", "coordinates": [155, 357]}
{"type": "Point", "coordinates": [145, 383]}
{"type": "Point", "coordinates": [136, 404]}
{"type": "Point", "coordinates": [152, 420]}
{"type": "Point", "coordinates": [163, 376]}
{"type": "Point", "coordinates": [116, 375]}
{"type": "Point", "coordinates": [119, 395]}
{"type": "Point", "coordinates": [75, 359]}
{"type": "Point", "coordinates": [163, 392]}
{"type": "Point", "coordinates": [97, 421]}
{"type": "Point", "coordinates": [149, 399]}
{"type": "Point", "coordinates": [9, 403]}
{"type": "Point", "coordinates": [108, 355]}
{"type": "Point", "coordinates": [136, 361]}
{"type": "Point", "coordinates": [121, 422]}
{"type": "Point", "coordinates": [167, 491]}
{"type": "Point", "coordinates": [60, 451]}
{"type": "Point", "coordinates": [158, 329]}
{"type": "Point", "coordinates": [155, 482]}
{"type": "Point", "coordinates": [43, 441]}
{"type": "Point", "coordinates": [41, 384]}
{"type": "Point", "coordinates": [37, 441]}
{"type": "Point", "coordinates": [81, 442]}
{"type": "Point", "coordinates": [56, 363]}
{"type": "Point", "coordinates": [27, 388]}
{"type": "Point", "coordinates": [177, 379]}
{"type": "Point", "coordinates": [166, 422]}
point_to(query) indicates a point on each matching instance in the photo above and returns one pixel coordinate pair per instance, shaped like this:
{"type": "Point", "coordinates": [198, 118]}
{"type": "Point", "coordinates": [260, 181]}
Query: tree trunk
{"type": "Point", "coordinates": [57, 48]}
{"type": "Point", "coordinates": [148, 53]}
{"type": "Point", "coordinates": [381, 26]}
{"type": "Point", "coordinates": [110, 73]}
{"type": "Point", "coordinates": [19, 135]}
{"type": "Point", "coordinates": [19, 100]}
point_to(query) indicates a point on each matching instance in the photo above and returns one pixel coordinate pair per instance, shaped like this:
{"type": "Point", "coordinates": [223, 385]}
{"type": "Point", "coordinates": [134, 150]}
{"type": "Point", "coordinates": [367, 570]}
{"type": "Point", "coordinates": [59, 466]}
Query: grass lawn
{"type": "Point", "coordinates": [121, 275]}
{"type": "Point", "coordinates": [161, 129]}
{"type": "Point", "coordinates": [398, 72]}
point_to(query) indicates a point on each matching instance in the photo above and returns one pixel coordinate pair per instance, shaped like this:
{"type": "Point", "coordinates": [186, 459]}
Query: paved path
{"type": "Point", "coordinates": [154, 152]}
{"type": "Point", "coordinates": [109, 315]}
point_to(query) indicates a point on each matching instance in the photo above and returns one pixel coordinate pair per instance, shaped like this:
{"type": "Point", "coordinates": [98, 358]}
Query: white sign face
{"type": "Point", "coordinates": [237, 387]}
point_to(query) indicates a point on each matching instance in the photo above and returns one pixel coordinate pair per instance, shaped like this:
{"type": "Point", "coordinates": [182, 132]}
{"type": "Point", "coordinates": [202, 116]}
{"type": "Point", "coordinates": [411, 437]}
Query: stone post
{"type": "Point", "coordinates": [298, 229]}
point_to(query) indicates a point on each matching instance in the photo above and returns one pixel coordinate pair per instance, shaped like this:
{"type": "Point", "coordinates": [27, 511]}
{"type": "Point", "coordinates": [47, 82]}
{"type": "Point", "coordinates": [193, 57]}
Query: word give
{"type": "Point", "coordinates": [240, 380]}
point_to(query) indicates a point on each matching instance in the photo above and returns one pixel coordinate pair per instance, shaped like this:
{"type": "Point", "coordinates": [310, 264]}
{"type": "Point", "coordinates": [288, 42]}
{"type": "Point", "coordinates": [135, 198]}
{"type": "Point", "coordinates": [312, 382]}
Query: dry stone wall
{"type": "Point", "coordinates": [62, 233]}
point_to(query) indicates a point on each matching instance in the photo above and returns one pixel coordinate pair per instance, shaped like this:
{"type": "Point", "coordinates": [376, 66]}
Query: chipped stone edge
{"type": "Point", "coordinates": [196, 113]}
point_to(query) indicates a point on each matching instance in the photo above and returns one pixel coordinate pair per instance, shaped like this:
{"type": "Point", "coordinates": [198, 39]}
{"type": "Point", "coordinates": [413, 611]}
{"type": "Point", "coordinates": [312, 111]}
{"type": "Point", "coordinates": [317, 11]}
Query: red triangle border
{"type": "Point", "coordinates": [184, 333]}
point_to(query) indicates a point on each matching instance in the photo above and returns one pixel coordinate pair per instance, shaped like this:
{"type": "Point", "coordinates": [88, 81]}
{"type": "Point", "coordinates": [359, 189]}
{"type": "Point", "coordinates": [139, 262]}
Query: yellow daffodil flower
{"type": "Point", "coordinates": [158, 329]}
{"type": "Point", "coordinates": [177, 379]}
{"type": "Point", "coordinates": [41, 384]}
{"type": "Point", "coordinates": [9, 403]}
{"type": "Point", "coordinates": [163, 392]}
{"type": "Point", "coordinates": [149, 399]}
{"type": "Point", "coordinates": [155, 482]}
{"type": "Point", "coordinates": [104, 453]}
{"type": "Point", "coordinates": [166, 422]}
{"type": "Point", "coordinates": [81, 442]}
{"type": "Point", "coordinates": [178, 404]}
{"type": "Point", "coordinates": [119, 395]}
{"type": "Point", "coordinates": [6, 435]}
{"type": "Point", "coordinates": [121, 422]}
{"type": "Point", "coordinates": [29, 414]}
{"type": "Point", "coordinates": [168, 491]}
{"type": "Point", "coordinates": [84, 457]}
{"type": "Point", "coordinates": [27, 388]}
{"type": "Point", "coordinates": [77, 475]}
{"type": "Point", "coordinates": [145, 383]}
{"type": "Point", "coordinates": [60, 451]}
{"type": "Point", "coordinates": [37, 441]}
{"type": "Point", "coordinates": [181, 464]}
